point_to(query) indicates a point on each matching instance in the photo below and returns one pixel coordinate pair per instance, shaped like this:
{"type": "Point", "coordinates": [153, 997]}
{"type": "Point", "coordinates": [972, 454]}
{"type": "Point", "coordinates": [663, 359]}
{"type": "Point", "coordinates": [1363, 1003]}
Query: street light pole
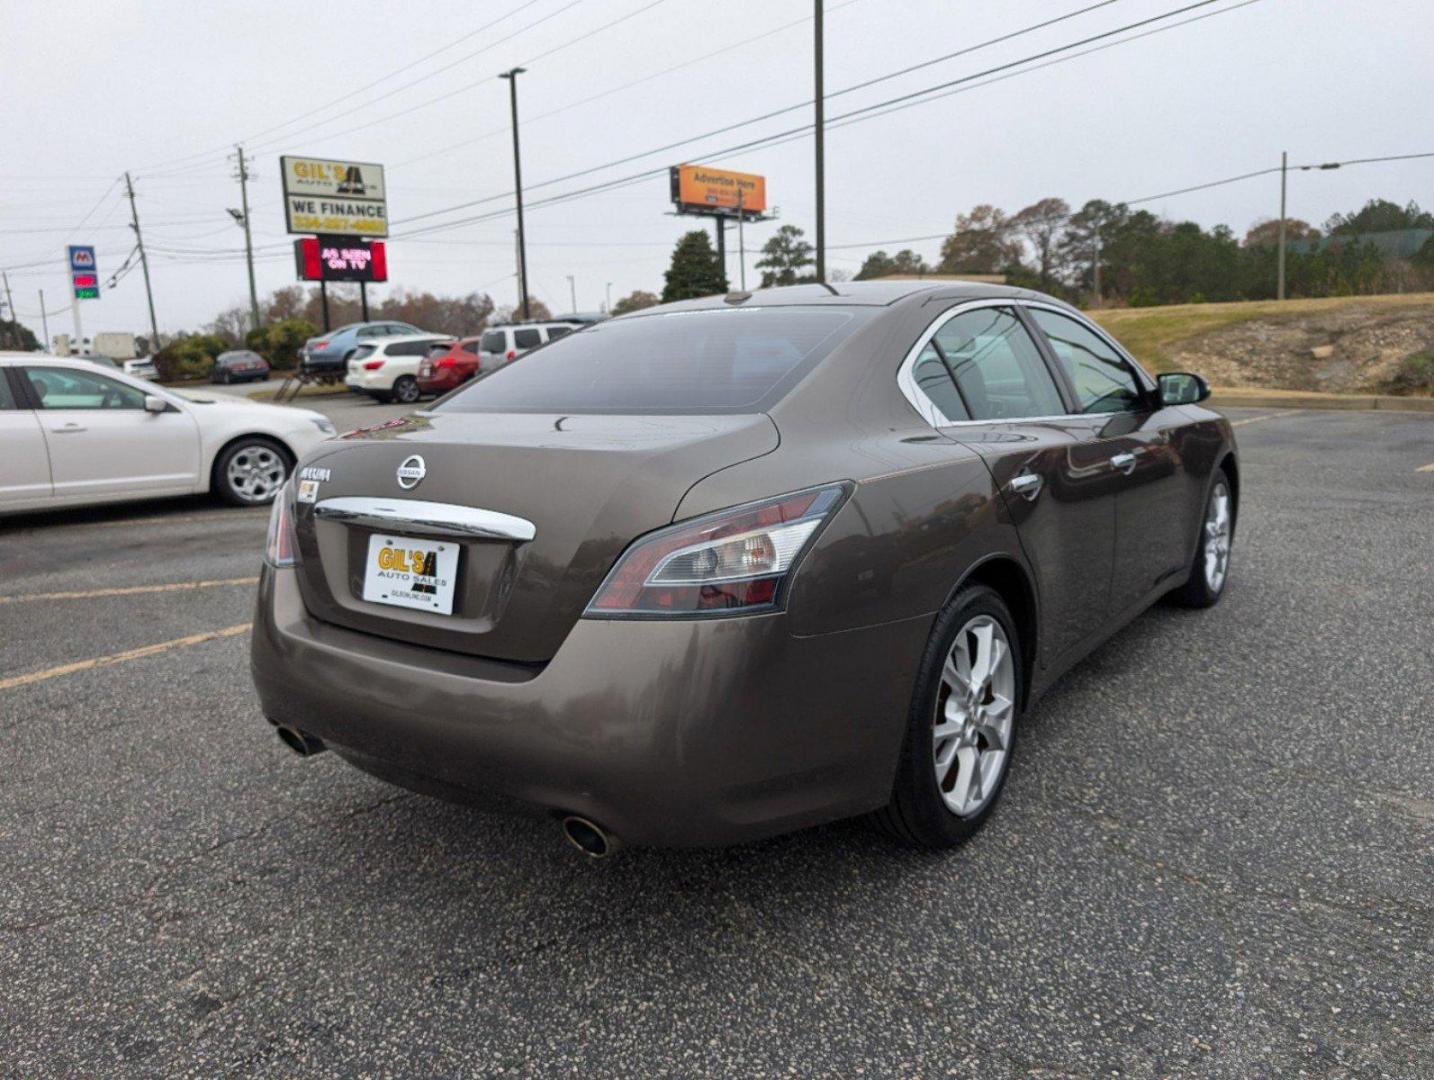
{"type": "Point", "coordinates": [512, 77]}
{"type": "Point", "coordinates": [1284, 170]}
{"type": "Point", "coordinates": [573, 292]}
{"type": "Point", "coordinates": [821, 153]}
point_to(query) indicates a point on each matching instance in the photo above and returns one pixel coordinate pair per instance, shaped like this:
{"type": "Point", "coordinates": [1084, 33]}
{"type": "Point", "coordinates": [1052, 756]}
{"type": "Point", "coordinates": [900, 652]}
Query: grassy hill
{"type": "Point", "coordinates": [1357, 344]}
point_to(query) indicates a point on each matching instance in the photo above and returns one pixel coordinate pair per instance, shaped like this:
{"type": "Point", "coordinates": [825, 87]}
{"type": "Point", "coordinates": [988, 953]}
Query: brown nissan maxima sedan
{"type": "Point", "coordinates": [735, 566]}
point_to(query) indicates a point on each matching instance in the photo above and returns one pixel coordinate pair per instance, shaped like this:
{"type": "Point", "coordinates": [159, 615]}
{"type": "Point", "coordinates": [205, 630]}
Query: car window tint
{"type": "Point", "coordinates": [728, 360]}
{"type": "Point", "coordinates": [470, 346]}
{"type": "Point", "coordinates": [494, 341]}
{"type": "Point", "coordinates": [935, 381]}
{"type": "Point", "coordinates": [7, 399]}
{"type": "Point", "coordinates": [997, 366]}
{"type": "Point", "coordinates": [408, 348]}
{"type": "Point", "coordinates": [1103, 379]}
{"type": "Point", "coordinates": [71, 388]}
{"type": "Point", "coordinates": [555, 332]}
{"type": "Point", "coordinates": [528, 338]}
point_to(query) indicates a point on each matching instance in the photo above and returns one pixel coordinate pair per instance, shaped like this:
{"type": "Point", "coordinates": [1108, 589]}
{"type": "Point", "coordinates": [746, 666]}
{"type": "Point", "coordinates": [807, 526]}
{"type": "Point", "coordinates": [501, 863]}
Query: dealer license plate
{"type": "Point", "coordinates": [411, 573]}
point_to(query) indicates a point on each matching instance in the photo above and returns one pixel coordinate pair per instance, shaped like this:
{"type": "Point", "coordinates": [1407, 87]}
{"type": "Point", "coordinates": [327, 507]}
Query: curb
{"type": "Point", "coordinates": [1238, 397]}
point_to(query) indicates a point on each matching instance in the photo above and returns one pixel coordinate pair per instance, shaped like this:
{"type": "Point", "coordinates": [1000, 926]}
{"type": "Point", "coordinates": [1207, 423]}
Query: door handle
{"type": "Point", "coordinates": [67, 428]}
{"type": "Point", "coordinates": [1027, 485]}
{"type": "Point", "coordinates": [1124, 462]}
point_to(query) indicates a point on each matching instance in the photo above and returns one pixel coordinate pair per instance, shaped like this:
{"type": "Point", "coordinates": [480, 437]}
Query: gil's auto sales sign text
{"type": "Point", "coordinates": [343, 198]}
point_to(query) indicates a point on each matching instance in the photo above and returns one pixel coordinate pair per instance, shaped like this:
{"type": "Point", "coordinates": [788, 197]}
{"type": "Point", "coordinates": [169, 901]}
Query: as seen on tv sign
{"type": "Point", "coordinates": [340, 258]}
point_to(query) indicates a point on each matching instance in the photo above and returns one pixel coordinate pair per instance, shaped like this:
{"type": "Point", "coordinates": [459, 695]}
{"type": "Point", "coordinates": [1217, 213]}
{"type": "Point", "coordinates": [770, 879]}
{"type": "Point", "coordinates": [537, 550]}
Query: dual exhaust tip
{"type": "Point", "coordinates": [587, 836]}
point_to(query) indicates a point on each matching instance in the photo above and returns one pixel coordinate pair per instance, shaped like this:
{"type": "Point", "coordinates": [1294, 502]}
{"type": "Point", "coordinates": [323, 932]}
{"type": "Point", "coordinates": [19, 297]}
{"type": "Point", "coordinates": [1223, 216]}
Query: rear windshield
{"type": "Point", "coordinates": [493, 341]}
{"type": "Point", "coordinates": [726, 360]}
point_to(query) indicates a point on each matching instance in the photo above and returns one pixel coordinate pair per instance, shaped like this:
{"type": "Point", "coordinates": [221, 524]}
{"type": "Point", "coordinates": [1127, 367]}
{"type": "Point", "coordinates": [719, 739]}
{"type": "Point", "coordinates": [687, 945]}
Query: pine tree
{"type": "Point", "coordinates": [694, 271]}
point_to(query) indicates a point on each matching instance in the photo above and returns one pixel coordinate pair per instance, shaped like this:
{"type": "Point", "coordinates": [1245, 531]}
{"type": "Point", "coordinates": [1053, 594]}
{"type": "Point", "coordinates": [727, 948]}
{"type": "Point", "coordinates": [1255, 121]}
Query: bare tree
{"type": "Point", "coordinates": [1041, 225]}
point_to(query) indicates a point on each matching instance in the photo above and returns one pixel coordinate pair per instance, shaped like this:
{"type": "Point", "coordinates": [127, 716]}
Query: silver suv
{"type": "Point", "coordinates": [500, 345]}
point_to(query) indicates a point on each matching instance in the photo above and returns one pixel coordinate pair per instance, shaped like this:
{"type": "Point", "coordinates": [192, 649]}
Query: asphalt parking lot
{"type": "Point", "coordinates": [1213, 858]}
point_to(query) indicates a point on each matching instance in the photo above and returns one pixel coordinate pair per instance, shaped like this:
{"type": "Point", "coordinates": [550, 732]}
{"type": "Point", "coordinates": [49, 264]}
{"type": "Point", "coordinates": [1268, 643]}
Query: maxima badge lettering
{"type": "Point", "coordinates": [411, 472]}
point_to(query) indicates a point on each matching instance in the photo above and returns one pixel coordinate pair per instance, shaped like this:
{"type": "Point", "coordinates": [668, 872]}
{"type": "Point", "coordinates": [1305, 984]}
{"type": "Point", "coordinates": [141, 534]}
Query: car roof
{"type": "Point", "coordinates": [389, 339]}
{"type": "Point", "coordinates": [50, 360]}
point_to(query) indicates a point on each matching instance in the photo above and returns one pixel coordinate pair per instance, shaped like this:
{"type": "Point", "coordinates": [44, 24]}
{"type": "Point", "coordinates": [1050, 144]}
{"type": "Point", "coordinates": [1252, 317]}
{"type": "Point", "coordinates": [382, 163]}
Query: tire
{"type": "Point", "coordinates": [383, 397]}
{"type": "Point", "coordinates": [250, 471]}
{"type": "Point", "coordinates": [406, 390]}
{"type": "Point", "coordinates": [924, 812]}
{"type": "Point", "coordinates": [1210, 567]}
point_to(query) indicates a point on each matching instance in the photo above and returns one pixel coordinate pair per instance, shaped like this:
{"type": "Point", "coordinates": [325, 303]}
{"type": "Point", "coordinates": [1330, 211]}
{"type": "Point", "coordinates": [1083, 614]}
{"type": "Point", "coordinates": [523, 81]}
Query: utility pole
{"type": "Point", "coordinates": [1284, 169]}
{"type": "Point", "coordinates": [44, 320]}
{"type": "Point", "coordinates": [512, 77]}
{"type": "Point", "coordinates": [821, 153]}
{"type": "Point", "coordinates": [10, 303]}
{"type": "Point", "coordinates": [573, 292]}
{"type": "Point", "coordinates": [607, 307]}
{"type": "Point", "coordinates": [143, 262]}
{"type": "Point", "coordinates": [721, 224]}
{"type": "Point", "coordinates": [741, 243]}
{"type": "Point", "coordinates": [1095, 273]}
{"type": "Point", "coordinates": [248, 238]}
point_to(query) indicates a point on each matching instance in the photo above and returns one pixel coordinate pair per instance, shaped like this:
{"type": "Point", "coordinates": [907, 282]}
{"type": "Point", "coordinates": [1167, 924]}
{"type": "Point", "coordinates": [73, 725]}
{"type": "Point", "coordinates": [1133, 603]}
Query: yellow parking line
{"type": "Point", "coordinates": [1425, 468]}
{"type": "Point", "coordinates": [129, 590]}
{"type": "Point", "coordinates": [120, 657]}
{"type": "Point", "coordinates": [1265, 416]}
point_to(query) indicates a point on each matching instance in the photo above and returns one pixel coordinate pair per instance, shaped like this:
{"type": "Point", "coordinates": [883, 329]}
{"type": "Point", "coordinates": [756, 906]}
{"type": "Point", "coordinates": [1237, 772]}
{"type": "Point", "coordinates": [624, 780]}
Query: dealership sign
{"type": "Point", "coordinates": [345, 198]}
{"type": "Point", "coordinates": [699, 189]}
{"type": "Point", "coordinates": [340, 258]}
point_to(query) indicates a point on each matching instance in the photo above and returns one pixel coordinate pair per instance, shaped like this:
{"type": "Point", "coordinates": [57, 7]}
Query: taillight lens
{"type": "Point", "coordinates": [735, 561]}
{"type": "Point", "coordinates": [372, 365]}
{"type": "Point", "coordinates": [511, 354]}
{"type": "Point", "coordinates": [321, 345]}
{"type": "Point", "coordinates": [280, 548]}
{"type": "Point", "coordinates": [447, 362]}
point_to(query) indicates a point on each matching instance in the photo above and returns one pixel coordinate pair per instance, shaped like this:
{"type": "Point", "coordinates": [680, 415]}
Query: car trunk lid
{"type": "Point", "coordinates": [588, 484]}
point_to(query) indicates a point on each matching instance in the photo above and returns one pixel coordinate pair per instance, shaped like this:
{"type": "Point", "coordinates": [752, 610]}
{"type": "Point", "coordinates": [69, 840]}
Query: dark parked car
{"type": "Point", "coordinates": [735, 566]}
{"type": "Point", "coordinates": [240, 365]}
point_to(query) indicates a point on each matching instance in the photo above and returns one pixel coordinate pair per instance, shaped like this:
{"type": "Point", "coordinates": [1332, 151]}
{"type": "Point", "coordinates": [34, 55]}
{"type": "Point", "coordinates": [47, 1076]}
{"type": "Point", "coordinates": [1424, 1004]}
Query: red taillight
{"type": "Point", "coordinates": [512, 354]}
{"type": "Point", "coordinates": [731, 561]}
{"type": "Point", "coordinates": [372, 365]}
{"type": "Point", "coordinates": [447, 361]}
{"type": "Point", "coordinates": [321, 344]}
{"type": "Point", "coordinates": [279, 550]}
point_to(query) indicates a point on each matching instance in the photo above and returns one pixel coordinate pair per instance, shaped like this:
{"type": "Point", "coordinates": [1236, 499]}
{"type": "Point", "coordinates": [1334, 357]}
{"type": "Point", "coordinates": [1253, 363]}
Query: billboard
{"type": "Point", "coordinates": [700, 189]}
{"type": "Point", "coordinates": [344, 198]}
{"type": "Point", "coordinates": [340, 258]}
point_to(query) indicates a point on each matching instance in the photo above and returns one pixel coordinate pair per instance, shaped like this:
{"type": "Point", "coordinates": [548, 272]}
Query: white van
{"type": "Point", "coordinates": [504, 343]}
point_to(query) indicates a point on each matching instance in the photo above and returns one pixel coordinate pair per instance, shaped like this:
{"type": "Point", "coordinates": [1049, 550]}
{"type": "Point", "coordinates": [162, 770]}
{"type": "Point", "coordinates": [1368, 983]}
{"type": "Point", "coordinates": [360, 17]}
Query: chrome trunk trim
{"type": "Point", "coordinates": [447, 519]}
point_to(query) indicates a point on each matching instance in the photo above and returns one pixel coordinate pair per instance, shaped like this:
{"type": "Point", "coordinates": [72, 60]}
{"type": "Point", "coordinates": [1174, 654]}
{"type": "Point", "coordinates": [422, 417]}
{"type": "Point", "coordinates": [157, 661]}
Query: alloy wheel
{"type": "Point", "coordinates": [1217, 537]}
{"type": "Point", "coordinates": [256, 472]}
{"type": "Point", "coordinates": [975, 710]}
{"type": "Point", "coordinates": [406, 390]}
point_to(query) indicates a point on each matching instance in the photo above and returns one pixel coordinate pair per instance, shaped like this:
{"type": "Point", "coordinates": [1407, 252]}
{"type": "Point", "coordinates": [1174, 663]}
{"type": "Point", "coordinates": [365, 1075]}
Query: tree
{"type": "Point", "coordinates": [1085, 235]}
{"type": "Point", "coordinates": [536, 310]}
{"type": "Point", "coordinates": [694, 270]}
{"type": "Point", "coordinates": [17, 336]}
{"type": "Point", "coordinates": [981, 243]}
{"type": "Point", "coordinates": [1379, 215]}
{"type": "Point", "coordinates": [635, 301]}
{"type": "Point", "coordinates": [1041, 225]}
{"type": "Point", "coordinates": [231, 324]}
{"type": "Point", "coordinates": [783, 256]}
{"type": "Point", "coordinates": [906, 263]}
{"type": "Point", "coordinates": [1266, 232]}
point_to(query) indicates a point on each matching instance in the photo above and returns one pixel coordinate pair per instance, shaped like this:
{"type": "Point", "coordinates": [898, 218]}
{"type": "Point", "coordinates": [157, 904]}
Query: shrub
{"type": "Point", "coordinates": [188, 358]}
{"type": "Point", "coordinates": [1415, 375]}
{"type": "Point", "coordinates": [279, 342]}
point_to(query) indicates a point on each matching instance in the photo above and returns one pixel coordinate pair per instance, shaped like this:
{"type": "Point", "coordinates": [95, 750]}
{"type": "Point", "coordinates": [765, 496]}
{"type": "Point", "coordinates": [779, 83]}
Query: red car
{"type": "Point", "coordinates": [448, 365]}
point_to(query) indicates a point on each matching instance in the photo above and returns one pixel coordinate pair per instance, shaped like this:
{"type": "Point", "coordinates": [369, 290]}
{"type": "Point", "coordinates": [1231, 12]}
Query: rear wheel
{"type": "Point", "coordinates": [406, 389]}
{"type": "Point", "coordinates": [1210, 568]}
{"type": "Point", "coordinates": [251, 471]}
{"type": "Point", "coordinates": [961, 729]}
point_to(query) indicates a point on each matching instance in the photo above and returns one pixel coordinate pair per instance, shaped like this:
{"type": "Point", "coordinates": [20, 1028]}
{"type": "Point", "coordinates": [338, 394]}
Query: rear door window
{"type": "Point", "coordinates": [528, 338]}
{"type": "Point", "coordinates": [494, 342]}
{"type": "Point", "coordinates": [728, 360]}
{"type": "Point", "coordinates": [998, 369]}
{"type": "Point", "coordinates": [555, 332]}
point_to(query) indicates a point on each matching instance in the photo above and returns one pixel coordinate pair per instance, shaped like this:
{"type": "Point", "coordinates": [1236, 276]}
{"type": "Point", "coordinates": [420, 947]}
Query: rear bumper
{"type": "Point", "coordinates": [666, 733]}
{"type": "Point", "coordinates": [440, 382]}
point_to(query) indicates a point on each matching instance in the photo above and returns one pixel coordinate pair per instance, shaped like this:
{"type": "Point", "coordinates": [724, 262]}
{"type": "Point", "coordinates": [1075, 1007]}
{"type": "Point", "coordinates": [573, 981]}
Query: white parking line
{"type": "Point", "coordinates": [1425, 468]}
{"type": "Point", "coordinates": [128, 590]}
{"type": "Point", "coordinates": [1265, 416]}
{"type": "Point", "coordinates": [120, 657]}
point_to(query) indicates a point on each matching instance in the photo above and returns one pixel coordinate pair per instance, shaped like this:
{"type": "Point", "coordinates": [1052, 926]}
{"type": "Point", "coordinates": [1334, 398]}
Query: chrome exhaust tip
{"type": "Point", "coordinates": [299, 742]}
{"type": "Point", "coordinates": [589, 837]}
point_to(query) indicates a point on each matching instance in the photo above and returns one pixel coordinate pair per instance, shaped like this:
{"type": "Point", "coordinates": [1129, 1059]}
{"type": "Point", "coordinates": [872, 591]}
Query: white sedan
{"type": "Point", "coordinates": [73, 432]}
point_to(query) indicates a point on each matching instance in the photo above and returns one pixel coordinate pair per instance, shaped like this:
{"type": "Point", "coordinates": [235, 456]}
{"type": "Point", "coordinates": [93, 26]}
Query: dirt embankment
{"type": "Point", "coordinates": [1379, 344]}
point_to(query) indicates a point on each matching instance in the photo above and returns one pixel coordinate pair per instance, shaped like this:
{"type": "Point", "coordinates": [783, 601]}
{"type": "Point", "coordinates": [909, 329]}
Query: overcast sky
{"type": "Point", "coordinates": [164, 89]}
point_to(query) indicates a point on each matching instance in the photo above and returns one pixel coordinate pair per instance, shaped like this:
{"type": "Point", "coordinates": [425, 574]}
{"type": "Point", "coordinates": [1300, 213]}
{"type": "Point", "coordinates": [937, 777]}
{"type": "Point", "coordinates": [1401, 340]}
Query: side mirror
{"type": "Point", "coordinates": [1182, 388]}
{"type": "Point", "coordinates": [155, 404]}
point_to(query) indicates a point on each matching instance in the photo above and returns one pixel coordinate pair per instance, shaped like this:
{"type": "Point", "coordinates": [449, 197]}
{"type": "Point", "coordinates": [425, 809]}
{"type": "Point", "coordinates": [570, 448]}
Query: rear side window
{"type": "Point", "coordinates": [729, 360]}
{"type": "Point", "coordinates": [935, 381]}
{"type": "Point", "coordinates": [555, 332]}
{"type": "Point", "coordinates": [494, 341]}
{"type": "Point", "coordinates": [362, 351]}
{"type": "Point", "coordinates": [470, 346]}
{"type": "Point", "coordinates": [529, 338]}
{"type": "Point", "coordinates": [1104, 382]}
{"type": "Point", "coordinates": [409, 348]}
{"type": "Point", "coordinates": [999, 371]}
{"type": "Point", "coordinates": [7, 399]}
